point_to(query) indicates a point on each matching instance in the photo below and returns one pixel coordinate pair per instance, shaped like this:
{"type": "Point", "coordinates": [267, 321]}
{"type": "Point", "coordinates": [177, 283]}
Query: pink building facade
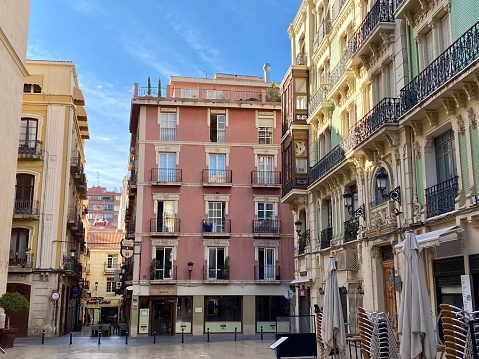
{"type": "Point", "coordinates": [214, 246]}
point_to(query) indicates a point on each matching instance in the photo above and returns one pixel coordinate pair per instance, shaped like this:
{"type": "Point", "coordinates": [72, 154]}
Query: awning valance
{"type": "Point", "coordinates": [78, 98]}
{"type": "Point", "coordinates": [434, 238]}
{"type": "Point", "coordinates": [81, 113]}
{"type": "Point", "coordinates": [34, 80]}
{"type": "Point", "coordinates": [298, 281]}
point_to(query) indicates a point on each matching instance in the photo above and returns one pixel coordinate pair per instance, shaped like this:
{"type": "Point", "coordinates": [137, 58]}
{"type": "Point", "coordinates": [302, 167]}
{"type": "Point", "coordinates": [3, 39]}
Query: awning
{"type": "Point", "coordinates": [298, 281]}
{"type": "Point", "coordinates": [81, 113]}
{"type": "Point", "coordinates": [34, 80]}
{"type": "Point", "coordinates": [434, 238]}
{"type": "Point", "coordinates": [78, 97]}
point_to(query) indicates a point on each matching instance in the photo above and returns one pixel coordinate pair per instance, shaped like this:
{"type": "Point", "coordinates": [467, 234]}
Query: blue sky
{"type": "Point", "coordinates": [115, 43]}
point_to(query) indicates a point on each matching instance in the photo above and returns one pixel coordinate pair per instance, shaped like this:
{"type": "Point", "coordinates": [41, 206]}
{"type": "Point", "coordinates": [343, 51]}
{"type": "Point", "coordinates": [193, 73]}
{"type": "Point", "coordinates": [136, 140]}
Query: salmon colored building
{"type": "Point", "coordinates": [213, 245]}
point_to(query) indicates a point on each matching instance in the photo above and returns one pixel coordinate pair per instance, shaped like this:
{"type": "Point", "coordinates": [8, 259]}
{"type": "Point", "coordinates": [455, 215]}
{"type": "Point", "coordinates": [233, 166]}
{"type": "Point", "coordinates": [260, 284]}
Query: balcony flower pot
{"type": "Point", "coordinates": [11, 302]}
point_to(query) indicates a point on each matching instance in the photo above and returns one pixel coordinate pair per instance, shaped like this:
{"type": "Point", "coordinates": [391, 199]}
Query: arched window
{"type": "Point", "coordinates": [378, 194]}
{"type": "Point", "coordinates": [24, 194]}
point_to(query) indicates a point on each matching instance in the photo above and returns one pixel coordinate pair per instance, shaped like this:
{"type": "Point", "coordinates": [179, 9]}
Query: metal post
{"type": "Point", "coordinates": [71, 337]}
{"type": "Point", "coordinates": [43, 336]}
{"type": "Point", "coordinates": [261, 332]}
{"type": "Point", "coordinates": [208, 335]}
{"type": "Point", "coordinates": [235, 333]}
{"type": "Point", "coordinates": [126, 337]}
{"type": "Point", "coordinates": [154, 337]}
{"type": "Point", "coordinates": [99, 335]}
{"type": "Point", "coordinates": [182, 335]}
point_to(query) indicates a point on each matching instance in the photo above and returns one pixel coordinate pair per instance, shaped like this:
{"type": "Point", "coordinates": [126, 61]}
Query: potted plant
{"type": "Point", "coordinates": [227, 267]}
{"type": "Point", "coordinates": [11, 302]}
{"type": "Point", "coordinates": [155, 264]}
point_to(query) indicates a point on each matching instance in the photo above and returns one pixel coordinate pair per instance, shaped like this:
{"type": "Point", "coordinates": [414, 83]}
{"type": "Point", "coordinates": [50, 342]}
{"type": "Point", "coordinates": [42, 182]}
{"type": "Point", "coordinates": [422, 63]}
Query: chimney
{"type": "Point", "coordinates": [266, 69]}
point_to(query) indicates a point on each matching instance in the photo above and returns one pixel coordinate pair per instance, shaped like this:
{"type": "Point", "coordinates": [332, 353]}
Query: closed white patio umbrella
{"type": "Point", "coordinates": [415, 325]}
{"type": "Point", "coordinates": [332, 325]}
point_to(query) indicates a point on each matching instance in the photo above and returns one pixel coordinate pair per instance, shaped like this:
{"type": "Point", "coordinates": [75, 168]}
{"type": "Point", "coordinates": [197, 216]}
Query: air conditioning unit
{"type": "Point", "coordinates": [348, 259]}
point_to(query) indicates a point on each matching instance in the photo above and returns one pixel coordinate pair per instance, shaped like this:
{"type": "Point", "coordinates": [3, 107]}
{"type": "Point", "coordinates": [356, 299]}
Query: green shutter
{"type": "Point", "coordinates": [413, 58]}
{"type": "Point", "coordinates": [464, 163]}
{"type": "Point", "coordinates": [335, 53]}
{"type": "Point", "coordinates": [464, 14]}
{"type": "Point", "coordinates": [420, 181]}
{"type": "Point", "coordinates": [475, 156]}
{"type": "Point", "coordinates": [335, 129]}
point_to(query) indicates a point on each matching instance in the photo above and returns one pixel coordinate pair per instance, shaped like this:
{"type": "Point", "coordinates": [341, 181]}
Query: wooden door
{"type": "Point", "coordinates": [389, 289]}
{"type": "Point", "coordinates": [20, 319]}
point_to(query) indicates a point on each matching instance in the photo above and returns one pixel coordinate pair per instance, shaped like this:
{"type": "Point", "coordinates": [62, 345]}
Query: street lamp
{"type": "Point", "coordinates": [381, 184]}
{"type": "Point", "coordinates": [297, 225]}
{"type": "Point", "coordinates": [348, 203]}
{"type": "Point", "coordinates": [73, 252]}
{"type": "Point", "coordinates": [190, 269]}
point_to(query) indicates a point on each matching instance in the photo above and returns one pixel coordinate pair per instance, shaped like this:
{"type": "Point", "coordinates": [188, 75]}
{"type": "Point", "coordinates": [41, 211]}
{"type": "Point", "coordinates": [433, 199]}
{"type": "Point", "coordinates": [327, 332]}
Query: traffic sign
{"type": "Point", "coordinates": [55, 295]}
{"type": "Point", "coordinates": [288, 294]}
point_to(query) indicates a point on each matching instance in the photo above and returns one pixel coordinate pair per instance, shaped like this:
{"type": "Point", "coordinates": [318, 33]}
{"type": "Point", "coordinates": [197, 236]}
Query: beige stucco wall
{"type": "Point", "coordinates": [14, 19]}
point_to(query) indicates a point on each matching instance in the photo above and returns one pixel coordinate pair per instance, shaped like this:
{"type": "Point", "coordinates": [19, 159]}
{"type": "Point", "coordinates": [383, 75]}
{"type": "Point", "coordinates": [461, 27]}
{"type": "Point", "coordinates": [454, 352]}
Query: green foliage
{"type": "Point", "coordinates": [13, 302]}
{"type": "Point", "coordinates": [273, 94]}
{"type": "Point", "coordinates": [149, 86]}
{"type": "Point", "coordinates": [155, 264]}
{"type": "Point", "coordinates": [159, 88]}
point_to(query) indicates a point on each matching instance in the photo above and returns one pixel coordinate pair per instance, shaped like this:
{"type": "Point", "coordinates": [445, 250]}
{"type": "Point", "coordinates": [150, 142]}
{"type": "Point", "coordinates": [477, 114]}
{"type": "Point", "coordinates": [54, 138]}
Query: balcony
{"type": "Point", "coordinates": [339, 74]}
{"type": "Point", "coordinates": [26, 209]}
{"type": "Point", "coordinates": [110, 268]}
{"type": "Point", "coordinates": [267, 272]}
{"type": "Point", "coordinates": [442, 70]}
{"type": "Point", "coordinates": [165, 273]}
{"type": "Point", "coordinates": [213, 177]}
{"type": "Point", "coordinates": [79, 230]}
{"type": "Point", "coordinates": [72, 265]}
{"type": "Point", "coordinates": [303, 242]}
{"type": "Point", "coordinates": [166, 176]}
{"type": "Point", "coordinates": [267, 228]}
{"type": "Point", "coordinates": [326, 236]}
{"type": "Point", "coordinates": [336, 9]}
{"type": "Point", "coordinates": [22, 259]}
{"type": "Point", "coordinates": [219, 272]}
{"type": "Point", "coordinates": [216, 227]}
{"type": "Point", "coordinates": [133, 181]}
{"type": "Point", "coordinates": [441, 198]}
{"type": "Point", "coordinates": [351, 228]}
{"type": "Point", "coordinates": [72, 217]}
{"type": "Point", "coordinates": [266, 179]}
{"type": "Point", "coordinates": [301, 59]}
{"type": "Point", "coordinates": [75, 164]}
{"type": "Point", "coordinates": [316, 101]}
{"type": "Point", "coordinates": [30, 150]}
{"type": "Point", "coordinates": [384, 113]}
{"type": "Point", "coordinates": [164, 227]}
{"type": "Point", "coordinates": [377, 24]}
{"type": "Point", "coordinates": [212, 94]}
{"type": "Point", "coordinates": [130, 231]}
{"type": "Point", "coordinates": [324, 30]}
{"type": "Point", "coordinates": [167, 134]}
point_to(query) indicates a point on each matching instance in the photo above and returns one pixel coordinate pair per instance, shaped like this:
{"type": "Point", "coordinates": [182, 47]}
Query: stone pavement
{"type": "Point", "coordinates": [195, 347]}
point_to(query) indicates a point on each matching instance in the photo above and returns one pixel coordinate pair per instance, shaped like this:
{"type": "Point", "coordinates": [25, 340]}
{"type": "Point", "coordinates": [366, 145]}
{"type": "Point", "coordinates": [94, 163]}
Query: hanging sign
{"type": "Point", "coordinates": [126, 250]}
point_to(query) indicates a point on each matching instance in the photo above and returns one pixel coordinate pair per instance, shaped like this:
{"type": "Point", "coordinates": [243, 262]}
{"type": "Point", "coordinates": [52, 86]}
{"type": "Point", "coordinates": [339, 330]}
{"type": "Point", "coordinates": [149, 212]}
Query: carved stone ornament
{"type": "Point", "coordinates": [158, 242]}
{"type": "Point", "coordinates": [216, 197]}
{"type": "Point", "coordinates": [397, 155]}
{"type": "Point", "coordinates": [417, 149]}
{"type": "Point", "coordinates": [374, 49]}
{"type": "Point", "coordinates": [461, 98]}
{"type": "Point", "coordinates": [472, 117]}
{"type": "Point", "coordinates": [393, 138]}
{"type": "Point", "coordinates": [386, 36]}
{"type": "Point", "coordinates": [216, 242]}
{"type": "Point", "coordinates": [471, 90]}
{"type": "Point", "coordinates": [431, 117]}
{"type": "Point", "coordinates": [461, 127]}
{"type": "Point", "coordinates": [365, 61]}
{"type": "Point", "coordinates": [166, 197]}
{"type": "Point", "coordinates": [409, 15]}
{"type": "Point", "coordinates": [428, 142]}
{"type": "Point", "coordinates": [449, 105]}
{"type": "Point", "coordinates": [266, 243]}
{"type": "Point", "coordinates": [417, 128]}
{"type": "Point", "coordinates": [379, 146]}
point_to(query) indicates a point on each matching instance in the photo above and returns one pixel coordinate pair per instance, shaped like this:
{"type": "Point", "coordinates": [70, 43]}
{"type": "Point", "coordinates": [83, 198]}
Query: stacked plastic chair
{"type": "Point", "coordinates": [378, 339]}
{"type": "Point", "coordinates": [456, 327]}
{"type": "Point", "coordinates": [319, 321]}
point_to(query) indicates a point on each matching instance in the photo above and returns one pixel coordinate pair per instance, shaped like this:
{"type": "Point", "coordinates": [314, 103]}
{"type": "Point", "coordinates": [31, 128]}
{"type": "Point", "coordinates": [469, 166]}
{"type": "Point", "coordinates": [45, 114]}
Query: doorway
{"type": "Point", "coordinates": [163, 317]}
{"type": "Point", "coordinates": [389, 288]}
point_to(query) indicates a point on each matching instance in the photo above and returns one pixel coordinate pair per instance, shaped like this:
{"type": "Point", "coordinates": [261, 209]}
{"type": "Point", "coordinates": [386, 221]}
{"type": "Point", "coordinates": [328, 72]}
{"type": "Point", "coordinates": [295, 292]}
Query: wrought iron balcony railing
{"type": "Point", "coordinates": [30, 149]}
{"type": "Point", "coordinates": [26, 208]}
{"type": "Point", "coordinates": [164, 225]}
{"type": "Point", "coordinates": [221, 272]}
{"type": "Point", "coordinates": [301, 59]}
{"type": "Point", "coordinates": [265, 177]}
{"type": "Point", "coordinates": [167, 134]}
{"type": "Point", "coordinates": [267, 226]}
{"type": "Point", "coordinates": [326, 236]}
{"type": "Point", "coordinates": [317, 98]}
{"type": "Point", "coordinates": [288, 187]}
{"type": "Point", "coordinates": [337, 73]}
{"type": "Point", "coordinates": [351, 228]}
{"type": "Point", "coordinates": [451, 62]}
{"type": "Point", "coordinates": [21, 259]}
{"type": "Point", "coordinates": [382, 11]}
{"type": "Point", "coordinates": [212, 176]}
{"type": "Point", "coordinates": [441, 198]}
{"type": "Point", "coordinates": [166, 175]}
{"type": "Point", "coordinates": [214, 225]}
{"type": "Point", "coordinates": [73, 265]}
{"type": "Point", "coordinates": [324, 29]}
{"type": "Point", "coordinates": [303, 242]}
{"type": "Point", "coordinates": [166, 272]}
{"type": "Point", "coordinates": [267, 272]}
{"type": "Point", "coordinates": [337, 6]}
{"type": "Point", "coordinates": [385, 112]}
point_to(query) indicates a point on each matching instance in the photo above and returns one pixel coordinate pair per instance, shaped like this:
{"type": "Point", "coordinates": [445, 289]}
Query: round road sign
{"type": "Point", "coordinates": [55, 295]}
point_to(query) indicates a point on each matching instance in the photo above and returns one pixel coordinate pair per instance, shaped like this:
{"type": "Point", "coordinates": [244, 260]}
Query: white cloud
{"type": "Point", "coordinates": [86, 7]}
{"type": "Point", "coordinates": [37, 52]}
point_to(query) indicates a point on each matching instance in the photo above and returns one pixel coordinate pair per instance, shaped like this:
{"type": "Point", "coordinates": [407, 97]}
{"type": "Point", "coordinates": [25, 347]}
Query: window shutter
{"type": "Point", "coordinates": [265, 122]}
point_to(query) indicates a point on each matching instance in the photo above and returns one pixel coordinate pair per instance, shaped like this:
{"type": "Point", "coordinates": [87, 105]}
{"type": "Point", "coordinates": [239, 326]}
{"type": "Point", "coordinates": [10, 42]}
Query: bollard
{"type": "Point", "coordinates": [71, 337]}
{"type": "Point", "coordinates": [208, 335]}
{"type": "Point", "coordinates": [235, 333]}
{"type": "Point", "coordinates": [182, 335]}
{"type": "Point", "coordinates": [43, 336]}
{"type": "Point", "coordinates": [261, 332]}
{"type": "Point", "coordinates": [154, 337]}
{"type": "Point", "coordinates": [126, 337]}
{"type": "Point", "coordinates": [99, 335]}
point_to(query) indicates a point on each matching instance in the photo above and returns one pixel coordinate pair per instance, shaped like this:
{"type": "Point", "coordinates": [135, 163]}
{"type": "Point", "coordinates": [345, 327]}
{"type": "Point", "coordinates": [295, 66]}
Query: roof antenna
{"type": "Point", "coordinates": [206, 72]}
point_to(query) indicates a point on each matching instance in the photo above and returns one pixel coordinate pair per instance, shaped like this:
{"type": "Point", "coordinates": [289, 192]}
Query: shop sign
{"type": "Point", "coordinates": [164, 290]}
